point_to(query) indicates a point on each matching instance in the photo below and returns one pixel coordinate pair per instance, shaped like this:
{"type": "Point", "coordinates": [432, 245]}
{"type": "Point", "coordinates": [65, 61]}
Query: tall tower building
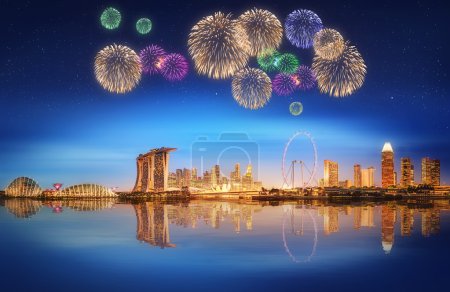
{"type": "Point", "coordinates": [330, 173]}
{"type": "Point", "coordinates": [215, 175]}
{"type": "Point", "coordinates": [153, 170]}
{"type": "Point", "coordinates": [368, 177]}
{"type": "Point", "coordinates": [187, 177]}
{"type": "Point", "coordinates": [387, 166]}
{"type": "Point", "coordinates": [357, 175]}
{"type": "Point", "coordinates": [406, 172]}
{"type": "Point", "coordinates": [179, 174]}
{"type": "Point", "coordinates": [431, 171]}
{"type": "Point", "coordinates": [247, 179]}
{"type": "Point", "coordinates": [194, 173]}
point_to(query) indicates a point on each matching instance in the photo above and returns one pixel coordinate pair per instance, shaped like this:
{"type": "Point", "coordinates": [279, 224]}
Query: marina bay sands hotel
{"type": "Point", "coordinates": [153, 170]}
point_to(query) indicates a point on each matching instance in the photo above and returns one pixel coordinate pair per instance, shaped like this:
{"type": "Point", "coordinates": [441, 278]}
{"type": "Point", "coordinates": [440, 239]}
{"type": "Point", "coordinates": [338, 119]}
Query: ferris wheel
{"type": "Point", "coordinates": [290, 171]}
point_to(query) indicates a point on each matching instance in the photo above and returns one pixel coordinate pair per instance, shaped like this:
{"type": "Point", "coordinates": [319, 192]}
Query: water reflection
{"type": "Point", "coordinates": [303, 221]}
{"type": "Point", "coordinates": [153, 218]}
{"type": "Point", "coordinates": [23, 208]}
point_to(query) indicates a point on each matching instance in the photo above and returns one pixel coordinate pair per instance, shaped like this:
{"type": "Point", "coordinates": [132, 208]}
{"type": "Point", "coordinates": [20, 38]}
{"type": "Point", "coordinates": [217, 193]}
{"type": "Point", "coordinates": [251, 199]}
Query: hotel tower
{"type": "Point", "coordinates": [387, 166]}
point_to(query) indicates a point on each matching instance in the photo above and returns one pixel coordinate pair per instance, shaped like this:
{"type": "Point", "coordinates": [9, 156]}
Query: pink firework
{"type": "Point", "coordinates": [174, 67]}
{"type": "Point", "coordinates": [151, 59]}
{"type": "Point", "coordinates": [306, 79]}
{"type": "Point", "coordinates": [284, 84]}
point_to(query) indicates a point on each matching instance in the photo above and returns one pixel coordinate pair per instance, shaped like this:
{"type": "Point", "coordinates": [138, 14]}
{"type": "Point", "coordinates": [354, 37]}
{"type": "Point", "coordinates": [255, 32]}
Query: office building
{"type": "Point", "coordinates": [357, 175]}
{"type": "Point", "coordinates": [387, 166]}
{"type": "Point", "coordinates": [331, 173]}
{"type": "Point", "coordinates": [431, 171]}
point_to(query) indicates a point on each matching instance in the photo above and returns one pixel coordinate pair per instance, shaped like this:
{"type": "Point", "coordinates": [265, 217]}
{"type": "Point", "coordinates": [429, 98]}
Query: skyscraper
{"type": "Point", "coordinates": [179, 174]}
{"type": "Point", "coordinates": [431, 171]}
{"type": "Point", "coordinates": [357, 175]}
{"type": "Point", "coordinates": [387, 166]}
{"type": "Point", "coordinates": [247, 179]}
{"type": "Point", "coordinates": [187, 177]}
{"type": "Point", "coordinates": [331, 173]}
{"type": "Point", "coordinates": [368, 177]}
{"type": "Point", "coordinates": [194, 173]}
{"type": "Point", "coordinates": [215, 175]}
{"type": "Point", "coordinates": [407, 172]}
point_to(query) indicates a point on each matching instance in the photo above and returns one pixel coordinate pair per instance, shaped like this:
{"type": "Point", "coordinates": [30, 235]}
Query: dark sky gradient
{"type": "Point", "coordinates": [58, 124]}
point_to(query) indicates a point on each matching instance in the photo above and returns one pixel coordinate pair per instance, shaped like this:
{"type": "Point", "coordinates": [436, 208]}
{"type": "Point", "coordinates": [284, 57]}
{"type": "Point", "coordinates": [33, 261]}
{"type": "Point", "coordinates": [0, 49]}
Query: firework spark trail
{"type": "Point", "coordinates": [251, 88]}
{"type": "Point", "coordinates": [301, 26]}
{"type": "Point", "coordinates": [151, 59]}
{"type": "Point", "coordinates": [284, 84]}
{"type": "Point", "coordinates": [306, 79]}
{"type": "Point", "coordinates": [329, 44]}
{"type": "Point", "coordinates": [218, 46]}
{"type": "Point", "coordinates": [343, 76]}
{"type": "Point", "coordinates": [117, 68]}
{"type": "Point", "coordinates": [263, 29]}
{"type": "Point", "coordinates": [174, 67]}
{"type": "Point", "coordinates": [110, 18]}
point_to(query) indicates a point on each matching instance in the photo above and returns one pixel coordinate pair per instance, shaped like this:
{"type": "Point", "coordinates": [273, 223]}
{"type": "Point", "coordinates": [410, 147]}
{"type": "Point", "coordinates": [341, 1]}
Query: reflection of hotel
{"type": "Point", "coordinates": [363, 217]}
{"type": "Point", "coordinates": [407, 220]}
{"type": "Point", "coordinates": [153, 219]}
{"type": "Point", "coordinates": [153, 224]}
{"type": "Point", "coordinates": [388, 215]}
{"type": "Point", "coordinates": [430, 222]}
{"type": "Point", "coordinates": [330, 220]}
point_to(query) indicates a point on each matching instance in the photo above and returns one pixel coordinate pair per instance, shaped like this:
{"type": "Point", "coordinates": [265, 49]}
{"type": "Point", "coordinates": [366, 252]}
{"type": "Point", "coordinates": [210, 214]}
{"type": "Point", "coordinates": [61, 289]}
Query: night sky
{"type": "Point", "coordinates": [58, 124]}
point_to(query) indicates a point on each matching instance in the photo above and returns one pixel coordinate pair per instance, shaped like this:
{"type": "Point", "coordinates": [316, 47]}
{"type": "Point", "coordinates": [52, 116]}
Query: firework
{"type": "Point", "coordinates": [329, 44]}
{"type": "Point", "coordinates": [263, 29]}
{"type": "Point", "coordinates": [301, 26]}
{"type": "Point", "coordinates": [151, 59]}
{"type": "Point", "coordinates": [144, 25]}
{"type": "Point", "coordinates": [251, 88]}
{"type": "Point", "coordinates": [287, 63]}
{"type": "Point", "coordinates": [174, 67]}
{"type": "Point", "coordinates": [305, 78]}
{"type": "Point", "coordinates": [218, 46]}
{"type": "Point", "coordinates": [117, 68]}
{"type": "Point", "coordinates": [110, 18]}
{"type": "Point", "coordinates": [296, 108]}
{"type": "Point", "coordinates": [267, 58]}
{"type": "Point", "coordinates": [343, 76]}
{"type": "Point", "coordinates": [284, 84]}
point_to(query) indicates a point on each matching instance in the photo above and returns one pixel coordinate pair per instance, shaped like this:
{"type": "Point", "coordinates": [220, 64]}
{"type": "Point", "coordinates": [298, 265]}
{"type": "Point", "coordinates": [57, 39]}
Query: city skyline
{"type": "Point", "coordinates": [62, 126]}
{"type": "Point", "coordinates": [229, 145]}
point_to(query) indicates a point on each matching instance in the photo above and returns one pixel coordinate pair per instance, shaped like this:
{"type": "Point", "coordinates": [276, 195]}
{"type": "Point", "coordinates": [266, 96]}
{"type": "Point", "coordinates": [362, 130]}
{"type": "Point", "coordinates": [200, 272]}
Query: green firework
{"type": "Point", "coordinates": [267, 60]}
{"type": "Point", "coordinates": [110, 18]}
{"type": "Point", "coordinates": [296, 108]}
{"type": "Point", "coordinates": [144, 25]}
{"type": "Point", "coordinates": [287, 63]}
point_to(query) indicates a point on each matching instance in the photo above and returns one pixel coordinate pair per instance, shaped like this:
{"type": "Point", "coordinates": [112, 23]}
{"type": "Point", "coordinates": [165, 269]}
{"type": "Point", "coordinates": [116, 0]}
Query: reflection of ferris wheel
{"type": "Point", "coordinates": [299, 232]}
{"type": "Point", "coordinates": [291, 170]}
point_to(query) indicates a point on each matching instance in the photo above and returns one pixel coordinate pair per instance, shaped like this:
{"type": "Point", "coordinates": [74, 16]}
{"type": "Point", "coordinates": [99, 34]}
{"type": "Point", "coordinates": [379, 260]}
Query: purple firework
{"type": "Point", "coordinates": [174, 67]}
{"type": "Point", "coordinates": [283, 84]}
{"type": "Point", "coordinates": [301, 26]}
{"type": "Point", "coordinates": [306, 78]}
{"type": "Point", "coordinates": [151, 58]}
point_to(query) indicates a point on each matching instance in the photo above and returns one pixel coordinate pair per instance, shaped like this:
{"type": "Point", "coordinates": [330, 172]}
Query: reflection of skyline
{"type": "Point", "coordinates": [154, 218]}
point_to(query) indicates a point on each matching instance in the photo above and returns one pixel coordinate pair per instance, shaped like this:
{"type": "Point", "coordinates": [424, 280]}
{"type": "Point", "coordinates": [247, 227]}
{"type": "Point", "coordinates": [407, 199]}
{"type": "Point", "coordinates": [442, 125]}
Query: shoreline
{"type": "Point", "coordinates": [122, 197]}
